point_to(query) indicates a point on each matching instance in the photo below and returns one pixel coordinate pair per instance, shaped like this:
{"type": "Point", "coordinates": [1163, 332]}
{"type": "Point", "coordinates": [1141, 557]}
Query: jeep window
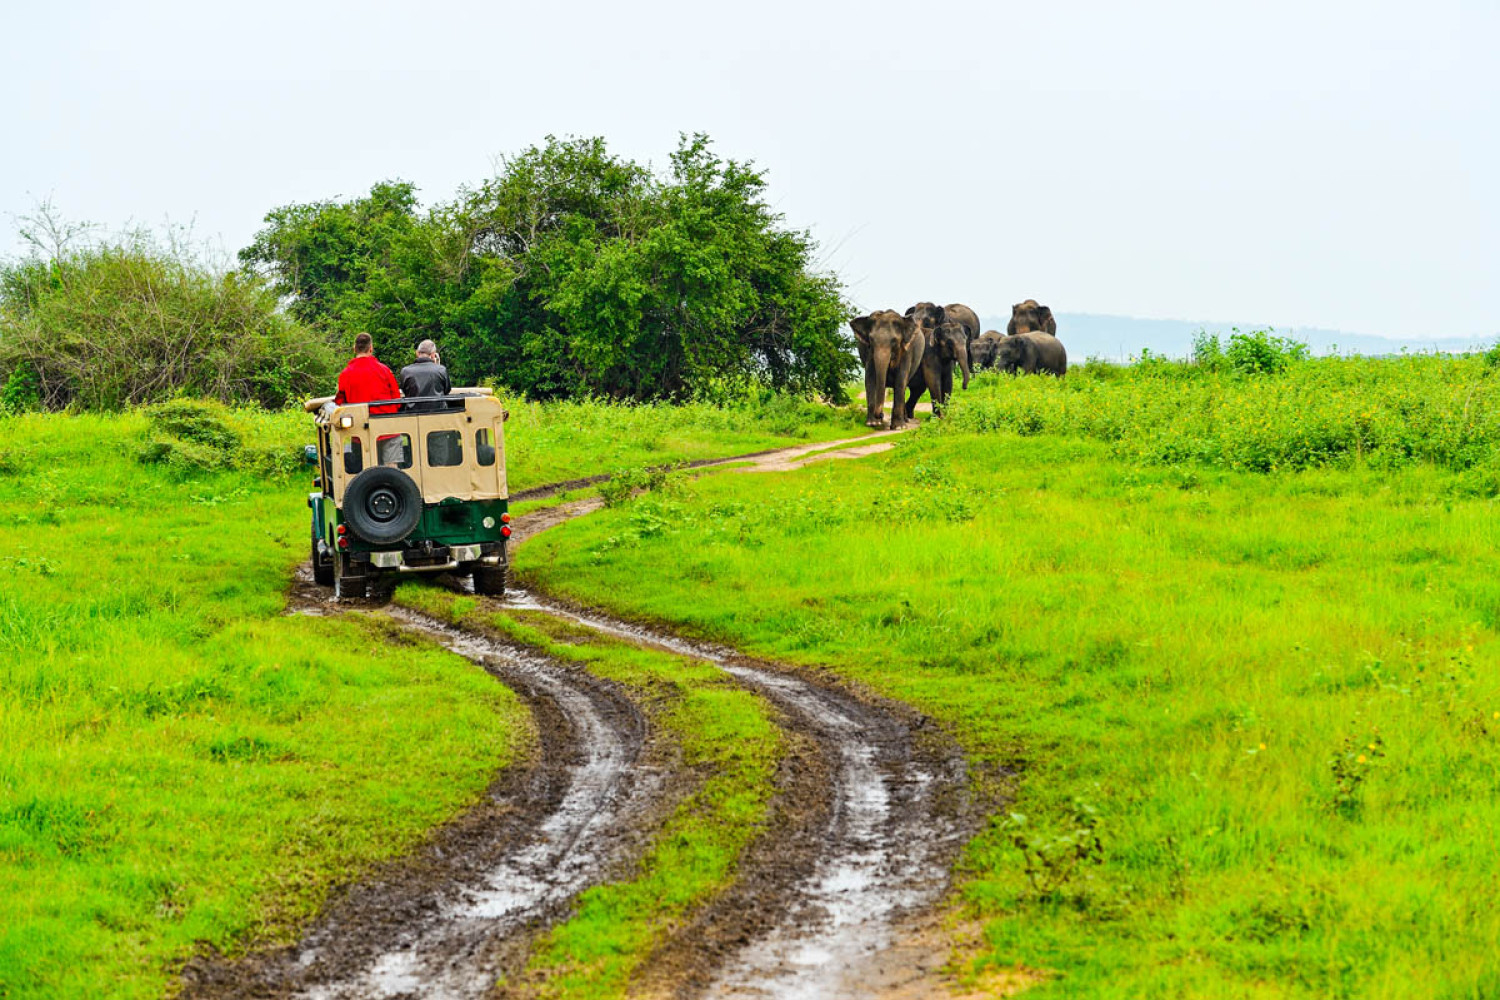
{"type": "Point", "coordinates": [354, 455]}
{"type": "Point", "coordinates": [484, 446]}
{"type": "Point", "coordinates": [325, 459]}
{"type": "Point", "coordinates": [394, 449]}
{"type": "Point", "coordinates": [444, 448]}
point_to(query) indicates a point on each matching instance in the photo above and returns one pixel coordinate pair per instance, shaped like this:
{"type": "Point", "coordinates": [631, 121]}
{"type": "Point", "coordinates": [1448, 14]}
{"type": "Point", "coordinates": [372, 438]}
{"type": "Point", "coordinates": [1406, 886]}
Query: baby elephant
{"type": "Point", "coordinates": [1030, 353]}
{"type": "Point", "coordinates": [982, 351]}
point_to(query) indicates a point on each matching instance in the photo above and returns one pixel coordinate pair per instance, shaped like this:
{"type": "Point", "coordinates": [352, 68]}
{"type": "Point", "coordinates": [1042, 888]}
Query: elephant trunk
{"type": "Point", "coordinates": [875, 375]}
{"type": "Point", "coordinates": [963, 362]}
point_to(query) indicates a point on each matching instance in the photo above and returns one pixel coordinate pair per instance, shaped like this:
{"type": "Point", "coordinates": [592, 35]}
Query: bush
{"type": "Point", "coordinates": [130, 322]}
{"type": "Point", "coordinates": [195, 437]}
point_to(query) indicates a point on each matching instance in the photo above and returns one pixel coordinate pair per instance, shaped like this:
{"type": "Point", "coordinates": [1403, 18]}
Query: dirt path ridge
{"type": "Point", "coordinates": [445, 924]}
{"type": "Point", "coordinates": [897, 818]}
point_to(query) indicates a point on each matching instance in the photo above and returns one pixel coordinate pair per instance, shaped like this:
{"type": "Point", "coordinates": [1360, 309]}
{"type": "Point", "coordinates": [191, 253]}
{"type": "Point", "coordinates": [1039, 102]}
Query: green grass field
{"type": "Point", "coordinates": [181, 763]}
{"type": "Point", "coordinates": [1236, 637]}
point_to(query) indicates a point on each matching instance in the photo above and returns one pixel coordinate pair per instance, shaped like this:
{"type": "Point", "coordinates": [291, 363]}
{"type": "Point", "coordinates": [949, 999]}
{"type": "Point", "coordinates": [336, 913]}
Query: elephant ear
{"type": "Point", "coordinates": [910, 330]}
{"type": "Point", "coordinates": [939, 315]}
{"type": "Point", "coordinates": [909, 310]}
{"type": "Point", "coordinates": [862, 325]}
{"type": "Point", "coordinates": [1048, 323]}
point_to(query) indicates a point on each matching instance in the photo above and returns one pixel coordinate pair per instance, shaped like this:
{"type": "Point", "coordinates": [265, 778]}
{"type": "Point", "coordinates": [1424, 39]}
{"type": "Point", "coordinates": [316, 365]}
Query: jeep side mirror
{"type": "Point", "coordinates": [309, 454]}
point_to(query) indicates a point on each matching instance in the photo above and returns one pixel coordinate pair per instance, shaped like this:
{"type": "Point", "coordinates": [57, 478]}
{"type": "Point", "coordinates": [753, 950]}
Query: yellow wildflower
{"type": "Point", "coordinates": [1360, 759]}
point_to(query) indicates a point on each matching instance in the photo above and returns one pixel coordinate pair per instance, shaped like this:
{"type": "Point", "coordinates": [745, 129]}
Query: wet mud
{"type": "Point", "coordinates": [892, 816]}
{"type": "Point", "coordinates": [447, 922]}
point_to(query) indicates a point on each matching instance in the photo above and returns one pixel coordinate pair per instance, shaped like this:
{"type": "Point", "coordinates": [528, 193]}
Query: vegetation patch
{"type": "Point", "coordinates": [1254, 711]}
{"type": "Point", "coordinates": [182, 764]}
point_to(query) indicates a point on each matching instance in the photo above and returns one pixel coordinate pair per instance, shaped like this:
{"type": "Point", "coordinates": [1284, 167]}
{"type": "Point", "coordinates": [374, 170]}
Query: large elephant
{"type": "Point", "coordinates": [933, 316]}
{"type": "Point", "coordinates": [982, 351]}
{"type": "Point", "coordinates": [947, 345]}
{"type": "Point", "coordinates": [891, 347]}
{"type": "Point", "coordinates": [1030, 317]}
{"type": "Point", "coordinates": [1031, 353]}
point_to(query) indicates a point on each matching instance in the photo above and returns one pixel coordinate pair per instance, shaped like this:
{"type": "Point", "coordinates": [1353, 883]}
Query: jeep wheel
{"type": "Point", "coordinates": [322, 569]}
{"type": "Point", "coordinates": [489, 580]}
{"type": "Point", "coordinates": [382, 505]}
{"type": "Point", "coordinates": [345, 585]}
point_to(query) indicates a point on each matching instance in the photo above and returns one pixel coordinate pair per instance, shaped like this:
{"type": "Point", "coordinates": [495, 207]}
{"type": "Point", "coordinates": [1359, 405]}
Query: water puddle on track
{"type": "Point", "coordinates": [888, 843]}
{"type": "Point", "coordinates": [450, 955]}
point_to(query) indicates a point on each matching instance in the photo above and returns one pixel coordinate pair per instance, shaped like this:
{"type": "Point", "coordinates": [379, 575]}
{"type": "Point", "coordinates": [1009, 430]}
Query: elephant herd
{"type": "Point", "coordinates": [916, 352]}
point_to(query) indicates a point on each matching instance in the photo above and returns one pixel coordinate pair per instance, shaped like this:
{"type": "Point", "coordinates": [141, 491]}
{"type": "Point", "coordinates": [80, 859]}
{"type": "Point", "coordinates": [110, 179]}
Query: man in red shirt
{"type": "Point", "coordinates": [366, 378]}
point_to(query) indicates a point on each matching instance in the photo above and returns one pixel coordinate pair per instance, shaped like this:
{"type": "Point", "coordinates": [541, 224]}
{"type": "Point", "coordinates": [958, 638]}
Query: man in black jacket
{"type": "Point", "coordinates": [425, 376]}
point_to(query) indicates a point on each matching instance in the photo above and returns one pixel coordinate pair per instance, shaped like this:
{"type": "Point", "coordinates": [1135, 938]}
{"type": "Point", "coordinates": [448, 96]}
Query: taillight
{"type": "Point", "coordinates": [505, 518]}
{"type": "Point", "coordinates": [343, 529]}
{"type": "Point", "coordinates": [505, 532]}
{"type": "Point", "coordinates": [343, 543]}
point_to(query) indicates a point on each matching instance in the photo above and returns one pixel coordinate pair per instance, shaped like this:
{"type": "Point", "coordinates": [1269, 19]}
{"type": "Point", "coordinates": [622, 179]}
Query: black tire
{"type": "Point", "coordinates": [382, 505]}
{"type": "Point", "coordinates": [489, 580]}
{"type": "Point", "coordinates": [344, 585]}
{"type": "Point", "coordinates": [322, 571]}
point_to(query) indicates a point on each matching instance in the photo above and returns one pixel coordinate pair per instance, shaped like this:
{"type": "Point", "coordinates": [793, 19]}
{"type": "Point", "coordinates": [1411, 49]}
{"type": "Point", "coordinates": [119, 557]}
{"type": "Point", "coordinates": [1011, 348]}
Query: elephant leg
{"type": "Point", "coordinates": [934, 376]}
{"type": "Point", "coordinates": [915, 393]}
{"type": "Point", "coordinates": [947, 382]}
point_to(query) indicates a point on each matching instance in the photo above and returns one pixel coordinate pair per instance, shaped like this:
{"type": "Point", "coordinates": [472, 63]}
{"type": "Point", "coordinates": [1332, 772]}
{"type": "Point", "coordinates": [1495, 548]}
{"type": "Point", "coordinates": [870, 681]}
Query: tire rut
{"type": "Point", "coordinates": [869, 813]}
{"type": "Point", "coordinates": [895, 814]}
{"type": "Point", "coordinates": [449, 921]}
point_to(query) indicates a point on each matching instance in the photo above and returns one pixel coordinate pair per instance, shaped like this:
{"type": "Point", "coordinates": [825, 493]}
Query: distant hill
{"type": "Point", "coordinates": [1119, 338]}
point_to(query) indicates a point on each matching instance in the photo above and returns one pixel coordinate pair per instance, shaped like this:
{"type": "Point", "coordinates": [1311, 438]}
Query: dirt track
{"type": "Point", "coordinates": [868, 814]}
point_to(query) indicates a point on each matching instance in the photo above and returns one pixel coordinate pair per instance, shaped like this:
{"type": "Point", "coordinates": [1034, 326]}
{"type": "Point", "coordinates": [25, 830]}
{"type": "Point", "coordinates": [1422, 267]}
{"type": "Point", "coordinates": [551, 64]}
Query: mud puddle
{"type": "Point", "coordinates": [448, 923]}
{"type": "Point", "coordinates": [896, 818]}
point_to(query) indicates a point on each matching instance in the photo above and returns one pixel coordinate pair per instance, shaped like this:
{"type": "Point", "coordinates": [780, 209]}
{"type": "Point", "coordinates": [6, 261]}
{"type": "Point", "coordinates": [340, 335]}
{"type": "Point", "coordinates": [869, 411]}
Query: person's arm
{"type": "Point", "coordinates": [341, 397]}
{"type": "Point", "coordinates": [395, 388]}
{"type": "Point", "coordinates": [447, 382]}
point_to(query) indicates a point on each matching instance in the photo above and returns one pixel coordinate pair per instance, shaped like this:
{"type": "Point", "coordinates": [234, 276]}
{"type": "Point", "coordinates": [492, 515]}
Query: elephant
{"type": "Point", "coordinates": [982, 351]}
{"type": "Point", "coordinates": [947, 343]}
{"type": "Point", "coordinates": [1031, 353]}
{"type": "Point", "coordinates": [931, 317]}
{"type": "Point", "coordinates": [1029, 317]}
{"type": "Point", "coordinates": [963, 314]}
{"type": "Point", "coordinates": [891, 347]}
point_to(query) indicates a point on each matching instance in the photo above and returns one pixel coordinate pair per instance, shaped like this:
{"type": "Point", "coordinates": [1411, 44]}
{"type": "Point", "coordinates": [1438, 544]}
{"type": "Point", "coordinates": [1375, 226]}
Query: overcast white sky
{"type": "Point", "coordinates": [1332, 164]}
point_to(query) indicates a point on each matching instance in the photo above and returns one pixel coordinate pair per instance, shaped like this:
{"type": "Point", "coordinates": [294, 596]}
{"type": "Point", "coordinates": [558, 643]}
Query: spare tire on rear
{"type": "Point", "coordinates": [382, 505]}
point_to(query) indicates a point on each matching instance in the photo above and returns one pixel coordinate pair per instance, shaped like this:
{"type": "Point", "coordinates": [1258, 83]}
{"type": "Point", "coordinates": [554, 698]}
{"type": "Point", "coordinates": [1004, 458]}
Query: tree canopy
{"type": "Point", "coordinates": [574, 272]}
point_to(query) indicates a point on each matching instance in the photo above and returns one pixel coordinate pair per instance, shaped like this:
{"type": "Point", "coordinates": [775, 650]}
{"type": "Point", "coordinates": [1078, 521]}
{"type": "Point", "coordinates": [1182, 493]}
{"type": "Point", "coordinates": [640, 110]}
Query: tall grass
{"type": "Point", "coordinates": [1253, 714]}
{"type": "Point", "coordinates": [178, 762]}
{"type": "Point", "coordinates": [181, 763]}
{"type": "Point", "coordinates": [1383, 413]}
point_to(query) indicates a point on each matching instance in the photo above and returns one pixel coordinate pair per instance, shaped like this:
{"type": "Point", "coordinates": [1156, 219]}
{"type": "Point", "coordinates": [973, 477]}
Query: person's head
{"type": "Point", "coordinates": [427, 350]}
{"type": "Point", "coordinates": [364, 344]}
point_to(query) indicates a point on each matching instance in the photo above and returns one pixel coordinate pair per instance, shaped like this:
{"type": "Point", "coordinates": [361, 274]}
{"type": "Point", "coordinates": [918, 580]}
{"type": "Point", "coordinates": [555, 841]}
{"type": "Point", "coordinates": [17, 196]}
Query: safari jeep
{"type": "Point", "coordinates": [414, 485]}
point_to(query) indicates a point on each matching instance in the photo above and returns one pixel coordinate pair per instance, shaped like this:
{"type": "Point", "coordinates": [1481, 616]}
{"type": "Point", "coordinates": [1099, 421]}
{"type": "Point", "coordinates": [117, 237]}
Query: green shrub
{"type": "Point", "coordinates": [194, 420]}
{"type": "Point", "coordinates": [22, 390]}
{"type": "Point", "coordinates": [1262, 353]}
{"type": "Point", "coordinates": [132, 323]}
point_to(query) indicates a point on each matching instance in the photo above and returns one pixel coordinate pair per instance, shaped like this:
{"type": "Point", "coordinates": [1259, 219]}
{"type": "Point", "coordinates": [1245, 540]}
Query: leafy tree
{"type": "Point", "coordinates": [576, 272]}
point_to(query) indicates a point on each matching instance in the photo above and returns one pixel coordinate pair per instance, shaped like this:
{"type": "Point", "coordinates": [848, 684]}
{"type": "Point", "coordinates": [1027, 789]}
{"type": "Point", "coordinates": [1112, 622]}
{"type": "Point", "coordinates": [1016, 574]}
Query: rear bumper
{"type": "Point", "coordinates": [434, 559]}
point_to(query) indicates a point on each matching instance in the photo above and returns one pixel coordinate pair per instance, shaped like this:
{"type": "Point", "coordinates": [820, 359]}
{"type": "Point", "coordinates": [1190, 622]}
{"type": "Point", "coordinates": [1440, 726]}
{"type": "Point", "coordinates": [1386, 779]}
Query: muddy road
{"type": "Point", "coordinates": [868, 813]}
